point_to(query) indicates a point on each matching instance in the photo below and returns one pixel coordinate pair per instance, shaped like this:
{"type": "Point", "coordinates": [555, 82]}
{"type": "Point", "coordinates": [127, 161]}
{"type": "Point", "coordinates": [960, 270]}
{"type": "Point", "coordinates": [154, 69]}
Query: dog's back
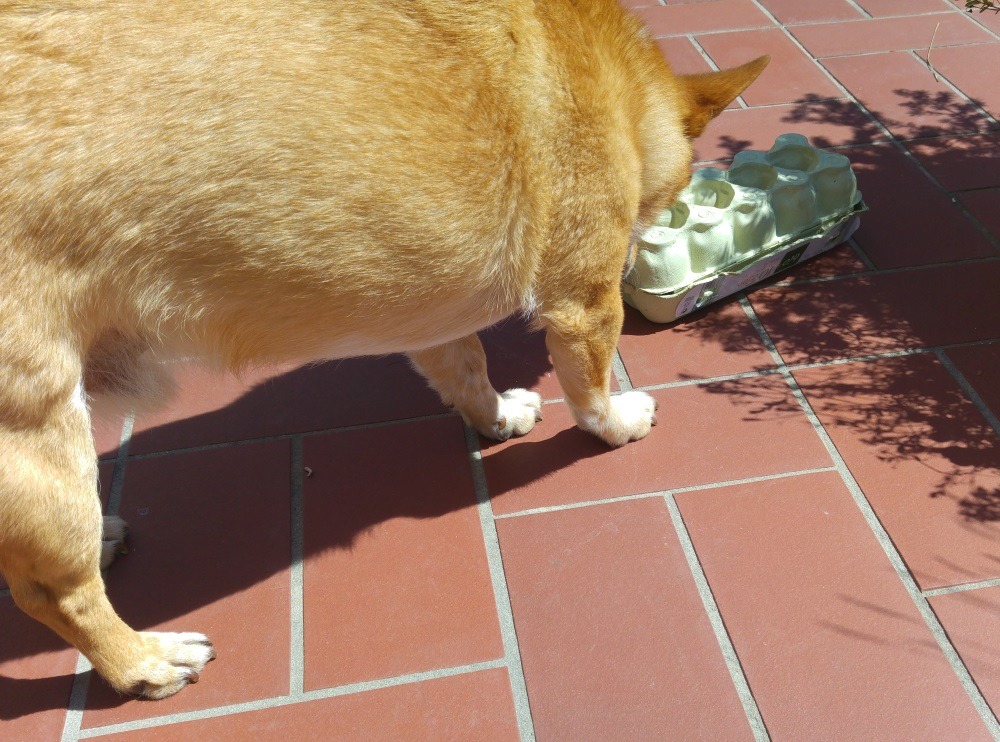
{"type": "Point", "coordinates": [304, 179]}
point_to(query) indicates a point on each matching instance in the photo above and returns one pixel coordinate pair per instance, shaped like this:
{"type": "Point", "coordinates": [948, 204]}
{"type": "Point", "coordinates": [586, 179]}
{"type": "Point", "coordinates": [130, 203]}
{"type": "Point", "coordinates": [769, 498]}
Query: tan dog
{"type": "Point", "coordinates": [260, 182]}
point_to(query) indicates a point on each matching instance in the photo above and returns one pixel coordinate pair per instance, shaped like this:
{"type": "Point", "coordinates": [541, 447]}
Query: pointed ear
{"type": "Point", "coordinates": [707, 94]}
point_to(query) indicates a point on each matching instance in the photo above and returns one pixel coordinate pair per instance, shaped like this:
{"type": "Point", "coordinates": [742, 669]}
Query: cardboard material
{"type": "Point", "coordinates": [667, 306]}
{"type": "Point", "coordinates": [730, 229]}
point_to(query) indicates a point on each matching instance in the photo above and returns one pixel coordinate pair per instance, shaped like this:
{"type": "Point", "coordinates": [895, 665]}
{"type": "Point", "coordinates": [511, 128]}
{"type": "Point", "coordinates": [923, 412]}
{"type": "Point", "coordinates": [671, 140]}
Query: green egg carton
{"type": "Point", "coordinates": [730, 229]}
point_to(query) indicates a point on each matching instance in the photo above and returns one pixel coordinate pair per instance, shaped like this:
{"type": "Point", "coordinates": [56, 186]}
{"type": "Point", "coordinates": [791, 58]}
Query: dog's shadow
{"type": "Point", "coordinates": [308, 400]}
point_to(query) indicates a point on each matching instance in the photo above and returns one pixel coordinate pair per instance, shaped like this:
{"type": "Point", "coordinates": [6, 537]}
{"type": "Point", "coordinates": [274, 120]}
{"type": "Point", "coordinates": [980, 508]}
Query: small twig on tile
{"type": "Point", "coordinates": [930, 64]}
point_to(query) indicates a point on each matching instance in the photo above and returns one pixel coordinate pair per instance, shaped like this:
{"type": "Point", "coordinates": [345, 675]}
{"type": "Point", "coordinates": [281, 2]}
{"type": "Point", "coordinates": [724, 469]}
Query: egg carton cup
{"type": "Point", "coordinates": [769, 211]}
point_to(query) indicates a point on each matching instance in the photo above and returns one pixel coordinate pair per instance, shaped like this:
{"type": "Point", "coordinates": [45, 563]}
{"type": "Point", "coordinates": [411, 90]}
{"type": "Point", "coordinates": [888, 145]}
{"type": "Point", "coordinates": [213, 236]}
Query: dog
{"type": "Point", "coordinates": [254, 183]}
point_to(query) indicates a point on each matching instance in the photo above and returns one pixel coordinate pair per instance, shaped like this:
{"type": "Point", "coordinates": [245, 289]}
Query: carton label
{"type": "Point", "coordinates": [690, 301]}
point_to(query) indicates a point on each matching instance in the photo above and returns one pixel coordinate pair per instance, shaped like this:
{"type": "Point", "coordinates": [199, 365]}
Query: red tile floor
{"type": "Point", "coordinates": [806, 547]}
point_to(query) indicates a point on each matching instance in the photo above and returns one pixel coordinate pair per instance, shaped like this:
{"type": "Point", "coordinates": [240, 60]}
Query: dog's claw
{"type": "Point", "coordinates": [172, 661]}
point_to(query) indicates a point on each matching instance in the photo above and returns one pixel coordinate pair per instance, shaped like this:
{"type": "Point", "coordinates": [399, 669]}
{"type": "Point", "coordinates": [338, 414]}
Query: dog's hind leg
{"type": "Point", "coordinates": [457, 371]}
{"type": "Point", "coordinates": [51, 539]}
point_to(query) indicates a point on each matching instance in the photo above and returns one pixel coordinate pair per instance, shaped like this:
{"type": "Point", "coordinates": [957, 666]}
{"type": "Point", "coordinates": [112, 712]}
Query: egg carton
{"type": "Point", "coordinates": [769, 210]}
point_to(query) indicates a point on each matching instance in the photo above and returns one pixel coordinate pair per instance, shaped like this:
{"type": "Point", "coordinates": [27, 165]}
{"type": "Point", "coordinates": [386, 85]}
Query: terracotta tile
{"type": "Point", "coordinates": [826, 634]}
{"type": "Point", "coordinates": [827, 123]}
{"type": "Point", "coordinates": [684, 58]}
{"type": "Point", "coordinates": [972, 622]}
{"type": "Point", "coordinates": [882, 312]}
{"type": "Point", "coordinates": [884, 8]}
{"type": "Point", "coordinates": [473, 706]}
{"type": "Point", "coordinates": [984, 206]}
{"type": "Point", "coordinates": [706, 433]}
{"type": "Point", "coordinates": [910, 222]}
{"type": "Point", "coordinates": [973, 70]}
{"type": "Point", "coordinates": [963, 163]}
{"type": "Point", "coordinates": [791, 75]}
{"type": "Point", "coordinates": [396, 579]}
{"type": "Point", "coordinates": [924, 457]}
{"type": "Point", "coordinates": [714, 341]}
{"type": "Point", "coordinates": [516, 357]}
{"type": "Point", "coordinates": [210, 545]}
{"type": "Point", "coordinates": [717, 15]}
{"type": "Point", "coordinates": [796, 11]}
{"type": "Point", "coordinates": [889, 34]}
{"type": "Point", "coordinates": [980, 365]}
{"type": "Point", "coordinates": [905, 96]}
{"type": "Point", "coordinates": [614, 639]}
{"type": "Point", "coordinates": [217, 408]}
{"type": "Point", "coordinates": [36, 675]}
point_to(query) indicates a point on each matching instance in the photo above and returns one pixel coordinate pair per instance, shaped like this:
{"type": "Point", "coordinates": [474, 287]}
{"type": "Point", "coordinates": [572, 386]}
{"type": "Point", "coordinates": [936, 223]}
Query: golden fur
{"type": "Point", "coordinates": [261, 182]}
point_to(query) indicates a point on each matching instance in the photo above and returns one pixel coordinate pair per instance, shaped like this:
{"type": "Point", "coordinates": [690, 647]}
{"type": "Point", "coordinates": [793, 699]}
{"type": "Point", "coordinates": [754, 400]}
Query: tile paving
{"type": "Point", "coordinates": [805, 547]}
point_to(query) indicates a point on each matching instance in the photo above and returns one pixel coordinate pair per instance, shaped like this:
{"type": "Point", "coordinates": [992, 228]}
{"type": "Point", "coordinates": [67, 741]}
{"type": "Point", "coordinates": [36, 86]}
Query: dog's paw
{"type": "Point", "coordinates": [519, 411]}
{"type": "Point", "coordinates": [171, 662]}
{"type": "Point", "coordinates": [631, 416]}
{"type": "Point", "coordinates": [113, 539]}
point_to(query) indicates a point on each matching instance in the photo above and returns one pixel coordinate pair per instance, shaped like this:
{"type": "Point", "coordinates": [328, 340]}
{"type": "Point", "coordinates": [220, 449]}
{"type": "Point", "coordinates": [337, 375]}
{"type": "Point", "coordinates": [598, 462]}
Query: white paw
{"type": "Point", "coordinates": [172, 661]}
{"type": "Point", "coordinates": [113, 540]}
{"type": "Point", "coordinates": [519, 411]}
{"type": "Point", "coordinates": [631, 416]}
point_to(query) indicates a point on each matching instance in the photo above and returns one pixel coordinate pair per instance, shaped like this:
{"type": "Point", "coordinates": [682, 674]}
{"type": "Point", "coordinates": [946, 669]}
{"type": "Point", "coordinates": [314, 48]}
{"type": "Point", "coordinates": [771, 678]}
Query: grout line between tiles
{"type": "Point", "coordinates": [77, 700]}
{"type": "Point", "coordinates": [662, 493]}
{"type": "Point", "coordinates": [287, 436]}
{"type": "Point", "coordinates": [891, 271]}
{"type": "Point", "coordinates": [296, 679]}
{"type": "Point", "coordinates": [970, 391]}
{"type": "Point", "coordinates": [861, 255]}
{"type": "Point", "coordinates": [732, 660]}
{"type": "Point", "coordinates": [121, 461]}
{"type": "Point", "coordinates": [844, 21]}
{"type": "Point", "coordinates": [709, 380]}
{"type": "Point", "coordinates": [505, 613]}
{"type": "Point", "coordinates": [701, 50]}
{"type": "Point", "coordinates": [865, 13]}
{"type": "Point", "coordinates": [944, 11]}
{"type": "Point", "coordinates": [882, 536]}
{"type": "Point", "coordinates": [620, 372]}
{"type": "Point", "coordinates": [83, 673]}
{"type": "Point", "coordinates": [278, 701]}
{"type": "Point", "coordinates": [935, 592]}
{"type": "Point", "coordinates": [712, 32]}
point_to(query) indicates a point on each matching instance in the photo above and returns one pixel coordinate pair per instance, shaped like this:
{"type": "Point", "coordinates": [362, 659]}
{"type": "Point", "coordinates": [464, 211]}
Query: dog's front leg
{"type": "Point", "coordinates": [51, 551]}
{"type": "Point", "coordinates": [457, 371]}
{"type": "Point", "coordinates": [581, 332]}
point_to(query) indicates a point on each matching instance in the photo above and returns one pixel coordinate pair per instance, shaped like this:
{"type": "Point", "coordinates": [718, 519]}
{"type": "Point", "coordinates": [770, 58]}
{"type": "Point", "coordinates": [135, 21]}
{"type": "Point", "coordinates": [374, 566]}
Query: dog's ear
{"type": "Point", "coordinates": [707, 94]}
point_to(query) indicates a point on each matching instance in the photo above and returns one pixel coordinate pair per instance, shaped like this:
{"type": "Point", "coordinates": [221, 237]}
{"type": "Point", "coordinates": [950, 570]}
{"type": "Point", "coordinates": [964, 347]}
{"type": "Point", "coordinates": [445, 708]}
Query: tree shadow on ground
{"type": "Point", "coordinates": [903, 410]}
